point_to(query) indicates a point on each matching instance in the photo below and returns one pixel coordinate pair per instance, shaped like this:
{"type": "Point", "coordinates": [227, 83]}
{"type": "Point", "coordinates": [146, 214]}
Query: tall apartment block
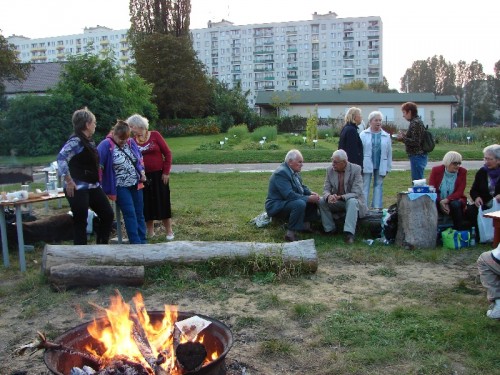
{"type": "Point", "coordinates": [322, 53]}
{"type": "Point", "coordinates": [98, 40]}
{"type": "Point", "coordinates": [317, 54]}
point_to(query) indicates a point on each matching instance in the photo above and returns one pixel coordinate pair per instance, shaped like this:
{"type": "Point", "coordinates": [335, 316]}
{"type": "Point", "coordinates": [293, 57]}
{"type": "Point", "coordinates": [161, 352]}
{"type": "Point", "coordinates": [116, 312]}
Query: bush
{"type": "Point", "coordinates": [238, 133]}
{"type": "Point", "coordinates": [294, 124]}
{"type": "Point", "coordinates": [270, 132]}
{"type": "Point", "coordinates": [185, 127]}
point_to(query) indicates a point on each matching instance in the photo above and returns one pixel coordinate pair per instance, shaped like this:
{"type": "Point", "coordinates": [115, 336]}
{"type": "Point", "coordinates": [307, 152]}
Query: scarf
{"type": "Point", "coordinates": [447, 184]}
{"type": "Point", "coordinates": [493, 175]}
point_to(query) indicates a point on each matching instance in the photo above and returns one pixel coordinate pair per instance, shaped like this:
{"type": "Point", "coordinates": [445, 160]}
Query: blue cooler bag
{"type": "Point", "coordinates": [455, 239]}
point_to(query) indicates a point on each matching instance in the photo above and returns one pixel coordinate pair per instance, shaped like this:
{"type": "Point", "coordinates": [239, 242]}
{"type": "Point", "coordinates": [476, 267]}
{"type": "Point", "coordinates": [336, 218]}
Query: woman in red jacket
{"type": "Point", "coordinates": [450, 179]}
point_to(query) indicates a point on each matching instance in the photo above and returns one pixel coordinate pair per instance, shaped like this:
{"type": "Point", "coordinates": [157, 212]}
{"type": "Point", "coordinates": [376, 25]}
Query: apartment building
{"type": "Point", "coordinates": [98, 40]}
{"type": "Point", "coordinates": [318, 54]}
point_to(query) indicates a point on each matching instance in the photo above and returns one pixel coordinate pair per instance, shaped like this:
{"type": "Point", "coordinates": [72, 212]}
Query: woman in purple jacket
{"type": "Point", "coordinates": [123, 173]}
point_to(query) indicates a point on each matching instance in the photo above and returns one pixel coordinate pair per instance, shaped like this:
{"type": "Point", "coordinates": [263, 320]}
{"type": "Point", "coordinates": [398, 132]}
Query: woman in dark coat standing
{"type": "Point", "coordinates": [350, 141]}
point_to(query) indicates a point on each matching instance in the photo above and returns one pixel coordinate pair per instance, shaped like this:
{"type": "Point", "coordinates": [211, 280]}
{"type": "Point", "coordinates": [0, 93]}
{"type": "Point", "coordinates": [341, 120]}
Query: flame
{"type": "Point", "coordinates": [118, 335]}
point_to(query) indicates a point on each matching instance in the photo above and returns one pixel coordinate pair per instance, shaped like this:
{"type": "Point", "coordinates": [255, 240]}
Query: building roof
{"type": "Point", "coordinates": [349, 97]}
{"type": "Point", "coordinates": [43, 76]}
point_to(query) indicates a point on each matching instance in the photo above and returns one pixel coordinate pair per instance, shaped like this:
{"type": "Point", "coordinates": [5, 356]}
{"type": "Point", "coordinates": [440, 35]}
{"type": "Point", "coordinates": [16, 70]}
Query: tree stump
{"type": "Point", "coordinates": [417, 222]}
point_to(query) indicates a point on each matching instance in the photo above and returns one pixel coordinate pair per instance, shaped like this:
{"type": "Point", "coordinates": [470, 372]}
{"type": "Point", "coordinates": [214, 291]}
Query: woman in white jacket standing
{"type": "Point", "coordinates": [377, 158]}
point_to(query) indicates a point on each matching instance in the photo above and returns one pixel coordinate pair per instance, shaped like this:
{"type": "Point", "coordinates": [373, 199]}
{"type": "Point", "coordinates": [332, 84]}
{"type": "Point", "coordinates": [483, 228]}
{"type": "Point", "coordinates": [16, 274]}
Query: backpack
{"type": "Point", "coordinates": [428, 143]}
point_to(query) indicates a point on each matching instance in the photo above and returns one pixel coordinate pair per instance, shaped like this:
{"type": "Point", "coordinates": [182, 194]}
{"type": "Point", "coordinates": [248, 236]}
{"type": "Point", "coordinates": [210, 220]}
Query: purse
{"type": "Point", "coordinates": [455, 239]}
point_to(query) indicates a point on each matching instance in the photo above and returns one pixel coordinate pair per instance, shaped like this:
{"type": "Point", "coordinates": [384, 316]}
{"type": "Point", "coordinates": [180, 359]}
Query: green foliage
{"type": "Point", "coordinates": [270, 132]}
{"type": "Point", "coordinates": [169, 63]}
{"type": "Point", "coordinates": [188, 127]}
{"type": "Point", "coordinates": [41, 125]}
{"type": "Point", "coordinates": [161, 16]}
{"type": "Point", "coordinates": [312, 126]}
{"type": "Point", "coordinates": [238, 133]}
{"type": "Point", "coordinates": [355, 85]}
{"type": "Point", "coordinates": [10, 69]}
{"type": "Point", "coordinates": [293, 124]}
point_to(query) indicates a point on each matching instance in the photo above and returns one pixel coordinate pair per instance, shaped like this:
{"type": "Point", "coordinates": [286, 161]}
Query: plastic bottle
{"type": "Point", "coordinates": [473, 236]}
{"type": "Point", "coordinates": [52, 184]}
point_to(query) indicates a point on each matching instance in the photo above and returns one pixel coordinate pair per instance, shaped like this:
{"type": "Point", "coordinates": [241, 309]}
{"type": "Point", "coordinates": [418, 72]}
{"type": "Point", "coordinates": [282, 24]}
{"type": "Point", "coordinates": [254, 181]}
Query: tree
{"type": "Point", "coordinates": [40, 125]}
{"type": "Point", "coordinates": [10, 67]}
{"type": "Point", "coordinates": [382, 87]}
{"type": "Point", "coordinates": [432, 75]}
{"type": "Point", "coordinates": [180, 85]}
{"type": "Point", "coordinates": [229, 104]}
{"type": "Point", "coordinates": [165, 56]}
{"type": "Point", "coordinates": [354, 85]}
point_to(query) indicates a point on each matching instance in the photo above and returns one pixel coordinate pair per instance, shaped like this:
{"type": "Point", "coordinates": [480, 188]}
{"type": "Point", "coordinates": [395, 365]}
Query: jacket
{"type": "Point", "coordinates": [350, 142]}
{"type": "Point", "coordinates": [284, 188]}
{"type": "Point", "coordinates": [385, 154]}
{"type": "Point", "coordinates": [106, 170]}
{"type": "Point", "coordinates": [436, 177]}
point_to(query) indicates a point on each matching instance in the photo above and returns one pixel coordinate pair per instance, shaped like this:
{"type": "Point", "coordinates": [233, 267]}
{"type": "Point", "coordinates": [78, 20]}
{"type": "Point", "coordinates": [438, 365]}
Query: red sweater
{"type": "Point", "coordinates": [156, 153]}
{"type": "Point", "coordinates": [436, 177]}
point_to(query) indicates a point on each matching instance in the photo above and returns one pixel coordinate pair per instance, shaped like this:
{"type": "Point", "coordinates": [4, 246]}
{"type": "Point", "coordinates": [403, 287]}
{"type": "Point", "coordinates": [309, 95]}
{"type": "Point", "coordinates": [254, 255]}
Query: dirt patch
{"type": "Point", "coordinates": [255, 312]}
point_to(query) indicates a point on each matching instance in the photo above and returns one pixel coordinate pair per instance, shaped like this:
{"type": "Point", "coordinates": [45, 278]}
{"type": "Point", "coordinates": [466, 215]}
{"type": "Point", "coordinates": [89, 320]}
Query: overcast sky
{"type": "Point", "coordinates": [412, 30]}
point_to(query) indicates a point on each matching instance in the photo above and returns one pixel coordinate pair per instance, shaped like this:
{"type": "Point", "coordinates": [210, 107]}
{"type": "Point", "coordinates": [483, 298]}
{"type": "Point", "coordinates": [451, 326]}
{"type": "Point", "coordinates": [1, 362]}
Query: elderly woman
{"type": "Point", "coordinates": [157, 161]}
{"type": "Point", "coordinates": [450, 179]}
{"type": "Point", "coordinates": [349, 140]}
{"type": "Point", "coordinates": [486, 185]}
{"type": "Point", "coordinates": [122, 176]}
{"type": "Point", "coordinates": [78, 163]}
{"type": "Point", "coordinates": [377, 158]}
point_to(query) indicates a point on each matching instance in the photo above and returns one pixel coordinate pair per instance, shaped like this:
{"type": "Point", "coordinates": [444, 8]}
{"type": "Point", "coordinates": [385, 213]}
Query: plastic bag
{"type": "Point", "coordinates": [455, 239]}
{"type": "Point", "coordinates": [261, 220]}
{"type": "Point", "coordinates": [485, 224]}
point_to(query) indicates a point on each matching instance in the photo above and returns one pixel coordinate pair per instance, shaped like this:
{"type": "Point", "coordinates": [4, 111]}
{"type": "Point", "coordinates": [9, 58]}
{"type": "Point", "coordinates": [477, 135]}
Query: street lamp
{"type": "Point", "coordinates": [463, 109]}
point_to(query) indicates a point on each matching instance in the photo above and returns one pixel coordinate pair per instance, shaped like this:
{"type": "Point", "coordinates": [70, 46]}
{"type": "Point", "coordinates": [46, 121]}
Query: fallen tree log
{"type": "Point", "coordinates": [65, 276]}
{"type": "Point", "coordinates": [301, 253]}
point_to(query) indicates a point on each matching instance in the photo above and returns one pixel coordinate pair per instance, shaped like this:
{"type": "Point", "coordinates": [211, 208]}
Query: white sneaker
{"type": "Point", "coordinates": [494, 313]}
{"type": "Point", "coordinates": [170, 237]}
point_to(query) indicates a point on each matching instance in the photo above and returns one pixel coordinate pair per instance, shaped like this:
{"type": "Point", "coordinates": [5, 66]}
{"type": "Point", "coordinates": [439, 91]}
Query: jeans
{"type": "Point", "coordinates": [95, 199]}
{"type": "Point", "coordinates": [418, 164]}
{"type": "Point", "coordinates": [297, 212]}
{"type": "Point", "coordinates": [378, 181]}
{"type": "Point", "coordinates": [130, 202]}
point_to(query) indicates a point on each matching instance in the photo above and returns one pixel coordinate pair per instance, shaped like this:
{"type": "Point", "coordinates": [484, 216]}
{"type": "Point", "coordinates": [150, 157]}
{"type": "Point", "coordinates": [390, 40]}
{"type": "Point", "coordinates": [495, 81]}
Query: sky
{"type": "Point", "coordinates": [411, 30]}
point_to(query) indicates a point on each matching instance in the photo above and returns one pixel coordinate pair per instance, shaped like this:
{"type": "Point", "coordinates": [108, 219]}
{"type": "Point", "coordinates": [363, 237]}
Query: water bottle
{"type": "Point", "coordinates": [473, 236]}
{"type": "Point", "coordinates": [52, 184]}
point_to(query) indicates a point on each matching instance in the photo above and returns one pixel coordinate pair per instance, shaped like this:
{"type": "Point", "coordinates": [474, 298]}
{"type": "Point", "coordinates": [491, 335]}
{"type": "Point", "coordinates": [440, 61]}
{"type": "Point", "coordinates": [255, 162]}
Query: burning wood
{"type": "Point", "coordinates": [128, 342]}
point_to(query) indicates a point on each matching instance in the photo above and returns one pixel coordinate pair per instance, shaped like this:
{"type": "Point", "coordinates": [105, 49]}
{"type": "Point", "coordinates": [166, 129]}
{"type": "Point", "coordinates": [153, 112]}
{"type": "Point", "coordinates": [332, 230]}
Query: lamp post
{"type": "Point", "coordinates": [463, 109]}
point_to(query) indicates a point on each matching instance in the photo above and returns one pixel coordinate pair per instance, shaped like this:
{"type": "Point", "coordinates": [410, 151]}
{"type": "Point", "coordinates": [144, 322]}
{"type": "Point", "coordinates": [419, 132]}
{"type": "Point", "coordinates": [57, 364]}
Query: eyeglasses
{"type": "Point", "coordinates": [456, 163]}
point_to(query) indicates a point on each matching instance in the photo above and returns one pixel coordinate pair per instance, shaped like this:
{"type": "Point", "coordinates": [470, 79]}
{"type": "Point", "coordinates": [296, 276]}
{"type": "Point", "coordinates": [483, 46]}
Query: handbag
{"type": "Point", "coordinates": [485, 224]}
{"type": "Point", "coordinates": [455, 239]}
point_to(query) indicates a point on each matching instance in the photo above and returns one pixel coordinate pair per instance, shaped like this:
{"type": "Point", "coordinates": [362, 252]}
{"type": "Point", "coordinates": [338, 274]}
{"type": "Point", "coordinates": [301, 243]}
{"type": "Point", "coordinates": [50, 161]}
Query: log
{"type": "Point", "coordinates": [417, 222]}
{"type": "Point", "coordinates": [69, 275]}
{"type": "Point", "coordinates": [301, 253]}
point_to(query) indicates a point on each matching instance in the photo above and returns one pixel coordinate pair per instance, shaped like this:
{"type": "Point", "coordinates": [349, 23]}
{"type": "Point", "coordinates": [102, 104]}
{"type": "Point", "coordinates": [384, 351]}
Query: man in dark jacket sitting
{"type": "Point", "coordinates": [289, 198]}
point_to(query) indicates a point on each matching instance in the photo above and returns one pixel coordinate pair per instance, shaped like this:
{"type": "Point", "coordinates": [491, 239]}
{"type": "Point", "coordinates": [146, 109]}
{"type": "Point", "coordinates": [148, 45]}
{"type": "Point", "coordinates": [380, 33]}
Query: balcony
{"type": "Point", "coordinates": [291, 76]}
{"type": "Point", "coordinates": [104, 42]}
{"type": "Point", "coordinates": [292, 68]}
{"type": "Point", "coordinates": [291, 50]}
{"type": "Point", "coordinates": [371, 37]}
{"type": "Point", "coordinates": [61, 47]}
{"type": "Point", "coordinates": [38, 58]}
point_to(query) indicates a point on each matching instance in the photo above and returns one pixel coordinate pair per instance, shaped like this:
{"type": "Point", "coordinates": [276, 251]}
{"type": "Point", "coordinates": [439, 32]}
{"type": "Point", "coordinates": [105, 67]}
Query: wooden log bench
{"type": "Point", "coordinates": [301, 253]}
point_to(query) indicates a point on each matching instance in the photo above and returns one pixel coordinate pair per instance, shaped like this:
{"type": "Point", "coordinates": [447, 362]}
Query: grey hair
{"type": "Point", "coordinates": [292, 155]}
{"type": "Point", "coordinates": [373, 114]}
{"type": "Point", "coordinates": [81, 118]}
{"type": "Point", "coordinates": [340, 154]}
{"type": "Point", "coordinates": [351, 112]}
{"type": "Point", "coordinates": [138, 121]}
{"type": "Point", "coordinates": [493, 150]}
{"type": "Point", "coordinates": [451, 157]}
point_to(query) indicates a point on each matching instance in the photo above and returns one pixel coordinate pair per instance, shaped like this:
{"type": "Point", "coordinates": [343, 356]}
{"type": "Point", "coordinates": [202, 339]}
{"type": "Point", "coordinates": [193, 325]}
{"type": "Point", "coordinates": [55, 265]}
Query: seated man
{"type": "Point", "coordinates": [488, 265]}
{"type": "Point", "coordinates": [342, 195]}
{"type": "Point", "coordinates": [289, 198]}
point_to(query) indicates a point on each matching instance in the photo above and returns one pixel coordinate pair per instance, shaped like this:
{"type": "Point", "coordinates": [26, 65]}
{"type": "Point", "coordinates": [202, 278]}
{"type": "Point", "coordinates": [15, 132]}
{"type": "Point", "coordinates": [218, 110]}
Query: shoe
{"type": "Point", "coordinates": [494, 313]}
{"type": "Point", "coordinates": [349, 238]}
{"type": "Point", "coordinates": [290, 238]}
{"type": "Point", "coordinates": [170, 237]}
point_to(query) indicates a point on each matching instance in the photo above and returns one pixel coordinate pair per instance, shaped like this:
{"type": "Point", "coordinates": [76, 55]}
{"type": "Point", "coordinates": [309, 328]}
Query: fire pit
{"type": "Point", "coordinates": [78, 347]}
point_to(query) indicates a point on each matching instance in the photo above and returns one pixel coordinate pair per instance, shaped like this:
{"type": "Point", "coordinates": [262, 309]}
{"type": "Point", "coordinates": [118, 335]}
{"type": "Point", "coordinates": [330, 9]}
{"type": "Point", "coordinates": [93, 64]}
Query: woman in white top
{"type": "Point", "coordinates": [377, 158]}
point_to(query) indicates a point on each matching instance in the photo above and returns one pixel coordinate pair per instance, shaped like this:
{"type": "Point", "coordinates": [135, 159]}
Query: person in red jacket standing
{"type": "Point", "coordinates": [450, 179]}
{"type": "Point", "coordinates": [157, 161]}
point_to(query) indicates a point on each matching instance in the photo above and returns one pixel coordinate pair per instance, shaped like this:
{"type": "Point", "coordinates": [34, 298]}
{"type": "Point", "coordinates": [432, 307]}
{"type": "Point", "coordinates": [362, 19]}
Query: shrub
{"type": "Point", "coordinates": [270, 132]}
{"type": "Point", "coordinates": [184, 127]}
{"type": "Point", "coordinates": [238, 133]}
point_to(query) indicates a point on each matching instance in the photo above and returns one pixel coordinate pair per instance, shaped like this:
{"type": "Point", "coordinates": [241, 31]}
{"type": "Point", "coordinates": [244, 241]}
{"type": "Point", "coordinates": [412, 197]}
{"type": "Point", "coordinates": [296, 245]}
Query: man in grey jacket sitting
{"type": "Point", "coordinates": [342, 196]}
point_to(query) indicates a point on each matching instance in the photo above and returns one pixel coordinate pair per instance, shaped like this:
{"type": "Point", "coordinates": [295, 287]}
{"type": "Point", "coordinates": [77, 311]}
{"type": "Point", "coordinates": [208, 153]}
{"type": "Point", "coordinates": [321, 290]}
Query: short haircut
{"type": "Point", "coordinates": [81, 118]}
{"type": "Point", "coordinates": [493, 150]}
{"type": "Point", "coordinates": [292, 155]}
{"type": "Point", "coordinates": [410, 107]}
{"type": "Point", "coordinates": [373, 114]}
{"type": "Point", "coordinates": [138, 121]}
{"type": "Point", "coordinates": [451, 157]}
{"type": "Point", "coordinates": [340, 154]}
{"type": "Point", "coordinates": [351, 112]}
